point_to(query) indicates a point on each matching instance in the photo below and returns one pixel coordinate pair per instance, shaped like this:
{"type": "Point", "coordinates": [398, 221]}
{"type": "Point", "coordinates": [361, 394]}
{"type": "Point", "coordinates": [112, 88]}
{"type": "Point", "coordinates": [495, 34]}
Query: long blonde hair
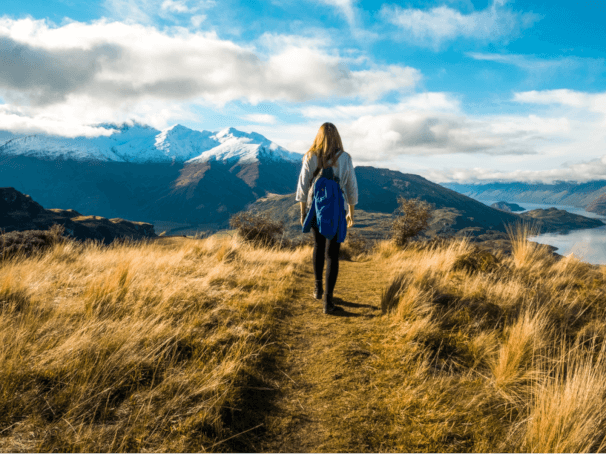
{"type": "Point", "coordinates": [327, 146]}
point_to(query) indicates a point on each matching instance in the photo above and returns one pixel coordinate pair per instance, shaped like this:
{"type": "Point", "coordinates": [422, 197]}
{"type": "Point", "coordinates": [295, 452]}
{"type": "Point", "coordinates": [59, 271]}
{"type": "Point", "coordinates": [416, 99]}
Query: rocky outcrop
{"type": "Point", "coordinates": [18, 212]}
{"type": "Point", "coordinates": [598, 205]}
{"type": "Point", "coordinates": [506, 206]}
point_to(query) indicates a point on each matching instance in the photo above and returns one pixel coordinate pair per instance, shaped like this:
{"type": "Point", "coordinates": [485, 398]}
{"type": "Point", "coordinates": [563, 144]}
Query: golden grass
{"type": "Point", "coordinates": [135, 347]}
{"type": "Point", "coordinates": [160, 346]}
{"type": "Point", "coordinates": [507, 358]}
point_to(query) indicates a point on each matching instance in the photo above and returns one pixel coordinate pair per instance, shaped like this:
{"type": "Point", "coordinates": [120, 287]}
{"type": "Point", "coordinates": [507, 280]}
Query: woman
{"type": "Point", "coordinates": [327, 151]}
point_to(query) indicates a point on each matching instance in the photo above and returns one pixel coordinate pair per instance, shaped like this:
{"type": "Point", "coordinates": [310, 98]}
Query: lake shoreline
{"type": "Point", "coordinates": [587, 244]}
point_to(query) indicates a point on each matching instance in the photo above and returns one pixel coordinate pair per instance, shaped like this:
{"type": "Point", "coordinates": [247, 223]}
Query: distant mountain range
{"type": "Point", "coordinates": [139, 143]}
{"type": "Point", "coordinates": [559, 193]}
{"type": "Point", "coordinates": [182, 180]}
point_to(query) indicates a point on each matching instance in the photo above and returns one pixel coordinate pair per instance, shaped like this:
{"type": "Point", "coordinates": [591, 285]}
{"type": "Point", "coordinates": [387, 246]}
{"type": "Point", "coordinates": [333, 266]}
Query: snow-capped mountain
{"type": "Point", "coordinates": [140, 173]}
{"type": "Point", "coordinates": [138, 143]}
{"type": "Point", "coordinates": [244, 147]}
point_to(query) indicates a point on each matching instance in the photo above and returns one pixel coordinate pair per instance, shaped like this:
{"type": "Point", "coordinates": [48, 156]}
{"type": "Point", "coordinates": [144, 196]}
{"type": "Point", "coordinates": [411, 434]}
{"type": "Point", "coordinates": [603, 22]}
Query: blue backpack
{"type": "Point", "coordinates": [327, 210]}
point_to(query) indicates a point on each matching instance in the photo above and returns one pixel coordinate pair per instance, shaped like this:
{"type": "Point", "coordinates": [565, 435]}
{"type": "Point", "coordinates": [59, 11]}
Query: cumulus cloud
{"type": "Point", "coordinates": [591, 170]}
{"type": "Point", "coordinates": [442, 24]}
{"type": "Point", "coordinates": [13, 121]}
{"type": "Point", "coordinates": [120, 65]}
{"type": "Point", "coordinates": [432, 123]}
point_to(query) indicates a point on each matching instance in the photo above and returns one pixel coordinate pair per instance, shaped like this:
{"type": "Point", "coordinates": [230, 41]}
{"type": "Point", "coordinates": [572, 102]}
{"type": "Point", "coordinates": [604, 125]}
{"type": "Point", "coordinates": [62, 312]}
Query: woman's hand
{"type": "Point", "coordinates": [350, 216]}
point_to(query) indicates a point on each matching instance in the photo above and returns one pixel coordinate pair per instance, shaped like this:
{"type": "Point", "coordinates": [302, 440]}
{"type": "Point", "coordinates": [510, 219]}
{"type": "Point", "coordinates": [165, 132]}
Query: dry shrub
{"type": "Point", "coordinates": [257, 228]}
{"type": "Point", "coordinates": [477, 260]}
{"type": "Point", "coordinates": [29, 242]}
{"type": "Point", "coordinates": [412, 218]}
{"type": "Point", "coordinates": [356, 244]}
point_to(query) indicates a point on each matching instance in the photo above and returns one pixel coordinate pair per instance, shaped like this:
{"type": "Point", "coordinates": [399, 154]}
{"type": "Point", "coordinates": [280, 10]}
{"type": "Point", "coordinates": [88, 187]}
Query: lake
{"type": "Point", "coordinates": [588, 245]}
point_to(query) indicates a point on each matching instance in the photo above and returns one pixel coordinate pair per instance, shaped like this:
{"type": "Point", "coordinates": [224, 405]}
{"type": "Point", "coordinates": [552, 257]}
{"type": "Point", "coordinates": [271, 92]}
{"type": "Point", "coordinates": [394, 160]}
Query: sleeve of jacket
{"type": "Point", "coordinates": [350, 185]}
{"type": "Point", "coordinates": [303, 184]}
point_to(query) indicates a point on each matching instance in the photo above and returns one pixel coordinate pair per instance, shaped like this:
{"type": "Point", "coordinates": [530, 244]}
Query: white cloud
{"type": "Point", "coordinates": [114, 66]}
{"type": "Point", "coordinates": [594, 169]}
{"type": "Point", "coordinates": [593, 102]}
{"type": "Point", "coordinates": [428, 101]}
{"type": "Point", "coordinates": [345, 6]}
{"type": "Point", "coordinates": [146, 11]}
{"type": "Point", "coordinates": [175, 6]}
{"type": "Point", "coordinates": [16, 123]}
{"type": "Point", "coordinates": [432, 123]}
{"type": "Point", "coordinates": [439, 25]}
{"type": "Point", "coordinates": [261, 118]}
{"type": "Point", "coordinates": [197, 20]}
{"type": "Point", "coordinates": [132, 11]}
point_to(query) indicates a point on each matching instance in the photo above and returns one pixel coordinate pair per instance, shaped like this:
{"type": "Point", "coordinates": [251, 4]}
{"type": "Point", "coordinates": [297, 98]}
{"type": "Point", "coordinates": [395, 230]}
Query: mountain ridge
{"type": "Point", "coordinates": [142, 143]}
{"type": "Point", "coordinates": [559, 193]}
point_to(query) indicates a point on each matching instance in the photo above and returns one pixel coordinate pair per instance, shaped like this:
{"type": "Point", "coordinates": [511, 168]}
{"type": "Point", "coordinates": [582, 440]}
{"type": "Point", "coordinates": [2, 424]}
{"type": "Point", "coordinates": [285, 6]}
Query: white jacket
{"type": "Point", "coordinates": [343, 169]}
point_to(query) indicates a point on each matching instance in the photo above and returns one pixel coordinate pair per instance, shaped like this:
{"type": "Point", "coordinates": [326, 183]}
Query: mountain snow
{"type": "Point", "coordinates": [144, 144]}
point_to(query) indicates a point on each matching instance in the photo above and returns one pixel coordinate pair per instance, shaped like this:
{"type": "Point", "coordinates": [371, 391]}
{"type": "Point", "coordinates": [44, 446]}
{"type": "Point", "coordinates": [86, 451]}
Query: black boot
{"type": "Point", "coordinates": [318, 291]}
{"type": "Point", "coordinates": [329, 306]}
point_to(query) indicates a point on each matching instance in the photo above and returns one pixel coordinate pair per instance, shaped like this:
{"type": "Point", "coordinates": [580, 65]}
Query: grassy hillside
{"type": "Point", "coordinates": [136, 347]}
{"type": "Point", "coordinates": [212, 345]}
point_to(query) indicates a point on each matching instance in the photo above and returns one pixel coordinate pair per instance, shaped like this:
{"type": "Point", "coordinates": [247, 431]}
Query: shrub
{"type": "Point", "coordinates": [257, 228]}
{"type": "Point", "coordinates": [29, 241]}
{"type": "Point", "coordinates": [412, 218]}
{"type": "Point", "coordinates": [355, 244]}
{"type": "Point", "coordinates": [477, 260]}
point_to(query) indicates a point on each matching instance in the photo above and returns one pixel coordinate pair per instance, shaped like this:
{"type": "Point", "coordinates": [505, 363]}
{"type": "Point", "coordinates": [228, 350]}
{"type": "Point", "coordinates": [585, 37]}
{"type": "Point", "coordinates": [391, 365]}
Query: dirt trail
{"type": "Point", "coordinates": [321, 368]}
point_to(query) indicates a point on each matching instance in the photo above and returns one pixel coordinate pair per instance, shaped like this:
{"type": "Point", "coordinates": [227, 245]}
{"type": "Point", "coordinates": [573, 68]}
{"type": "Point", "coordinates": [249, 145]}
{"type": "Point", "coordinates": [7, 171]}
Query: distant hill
{"type": "Point", "coordinates": [598, 205]}
{"type": "Point", "coordinates": [559, 193]}
{"type": "Point", "coordinates": [455, 214]}
{"type": "Point", "coordinates": [19, 212]}
{"type": "Point", "coordinates": [505, 206]}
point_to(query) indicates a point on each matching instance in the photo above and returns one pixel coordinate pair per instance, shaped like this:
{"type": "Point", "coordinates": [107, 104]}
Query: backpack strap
{"type": "Point", "coordinates": [318, 169]}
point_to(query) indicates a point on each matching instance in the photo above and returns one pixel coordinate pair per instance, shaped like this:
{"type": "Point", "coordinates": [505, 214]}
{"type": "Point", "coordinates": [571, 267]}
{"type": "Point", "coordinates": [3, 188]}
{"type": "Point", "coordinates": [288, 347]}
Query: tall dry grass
{"type": "Point", "coordinates": [138, 346]}
{"type": "Point", "coordinates": [505, 353]}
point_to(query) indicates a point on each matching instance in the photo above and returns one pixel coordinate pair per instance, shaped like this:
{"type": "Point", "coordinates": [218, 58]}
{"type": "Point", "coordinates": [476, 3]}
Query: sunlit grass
{"type": "Point", "coordinates": [134, 347]}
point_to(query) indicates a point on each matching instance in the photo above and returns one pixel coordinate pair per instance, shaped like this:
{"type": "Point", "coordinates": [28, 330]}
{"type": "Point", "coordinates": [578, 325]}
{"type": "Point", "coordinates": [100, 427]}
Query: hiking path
{"type": "Point", "coordinates": [323, 366]}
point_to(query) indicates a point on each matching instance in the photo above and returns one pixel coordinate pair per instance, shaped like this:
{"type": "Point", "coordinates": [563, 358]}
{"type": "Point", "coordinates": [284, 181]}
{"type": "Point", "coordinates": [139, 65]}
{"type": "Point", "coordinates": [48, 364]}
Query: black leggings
{"type": "Point", "coordinates": [330, 249]}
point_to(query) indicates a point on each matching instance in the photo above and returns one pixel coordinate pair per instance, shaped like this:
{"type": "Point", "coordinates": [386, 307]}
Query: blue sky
{"type": "Point", "coordinates": [452, 90]}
